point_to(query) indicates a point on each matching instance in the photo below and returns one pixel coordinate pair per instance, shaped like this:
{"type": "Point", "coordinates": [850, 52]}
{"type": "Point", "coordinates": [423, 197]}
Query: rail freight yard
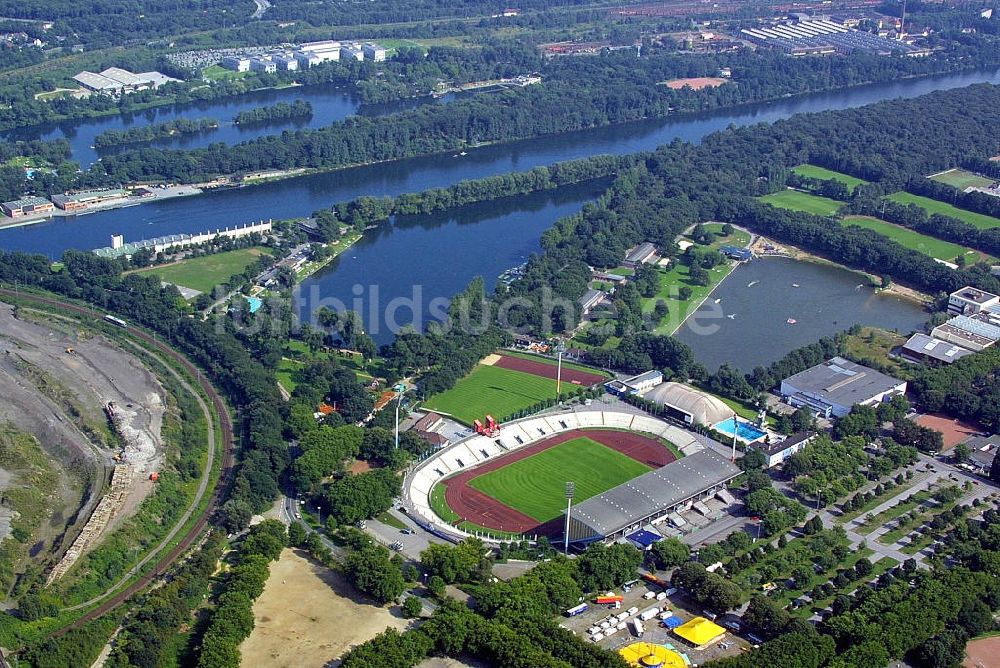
{"type": "Point", "coordinates": [81, 425]}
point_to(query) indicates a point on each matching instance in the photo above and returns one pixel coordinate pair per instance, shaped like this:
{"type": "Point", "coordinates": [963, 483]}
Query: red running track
{"type": "Point", "coordinates": [548, 370]}
{"type": "Point", "coordinates": [479, 508]}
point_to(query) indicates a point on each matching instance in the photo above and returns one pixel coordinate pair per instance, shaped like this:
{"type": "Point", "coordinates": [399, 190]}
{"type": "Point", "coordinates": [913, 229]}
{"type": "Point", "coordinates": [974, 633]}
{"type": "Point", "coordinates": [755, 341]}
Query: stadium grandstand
{"type": "Point", "coordinates": [477, 449]}
{"type": "Point", "coordinates": [651, 497]}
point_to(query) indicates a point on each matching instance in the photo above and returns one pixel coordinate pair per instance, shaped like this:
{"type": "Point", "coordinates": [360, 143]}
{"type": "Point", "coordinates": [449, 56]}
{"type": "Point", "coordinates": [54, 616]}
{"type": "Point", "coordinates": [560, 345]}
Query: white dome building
{"type": "Point", "coordinates": [690, 405]}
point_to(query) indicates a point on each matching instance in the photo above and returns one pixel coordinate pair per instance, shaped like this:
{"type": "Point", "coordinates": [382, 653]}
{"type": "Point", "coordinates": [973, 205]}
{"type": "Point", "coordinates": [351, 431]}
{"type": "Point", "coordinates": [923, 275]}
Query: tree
{"type": "Point", "coordinates": [765, 616]}
{"type": "Point", "coordinates": [684, 293]}
{"type": "Point", "coordinates": [752, 459]}
{"type": "Point", "coordinates": [603, 567]}
{"type": "Point", "coordinates": [667, 553]}
{"type": "Point", "coordinates": [961, 453]}
{"type": "Point", "coordinates": [412, 607]}
{"type": "Point", "coordinates": [436, 586]}
{"type": "Point", "coordinates": [373, 571]}
{"type": "Point", "coordinates": [296, 534]}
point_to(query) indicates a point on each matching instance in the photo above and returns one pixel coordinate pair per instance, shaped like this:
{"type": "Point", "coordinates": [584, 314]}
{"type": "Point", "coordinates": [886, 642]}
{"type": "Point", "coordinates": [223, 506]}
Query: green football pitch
{"type": "Point", "coordinates": [536, 485]}
{"type": "Point", "coordinates": [814, 172]}
{"type": "Point", "coordinates": [205, 272]}
{"type": "Point", "coordinates": [800, 201]}
{"type": "Point", "coordinates": [933, 206]}
{"type": "Point", "coordinates": [494, 390]}
{"type": "Point", "coordinates": [961, 179]}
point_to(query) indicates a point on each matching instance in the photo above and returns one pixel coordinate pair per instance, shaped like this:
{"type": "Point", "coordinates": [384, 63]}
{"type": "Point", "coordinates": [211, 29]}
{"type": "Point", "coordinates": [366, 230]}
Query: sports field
{"type": "Point", "coordinates": [943, 250]}
{"type": "Point", "coordinates": [494, 390]}
{"type": "Point", "coordinates": [814, 172]}
{"type": "Point", "coordinates": [204, 273]}
{"type": "Point", "coordinates": [536, 486]}
{"type": "Point", "coordinates": [934, 206]}
{"type": "Point", "coordinates": [961, 179]}
{"type": "Point", "coordinates": [799, 201]}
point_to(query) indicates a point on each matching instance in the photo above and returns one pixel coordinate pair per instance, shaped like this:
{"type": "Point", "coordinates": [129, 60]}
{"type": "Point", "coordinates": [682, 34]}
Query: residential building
{"type": "Point", "coordinates": [236, 63]}
{"type": "Point", "coordinates": [832, 388]}
{"type": "Point", "coordinates": [307, 59]}
{"type": "Point", "coordinates": [776, 452]}
{"type": "Point", "coordinates": [27, 206]}
{"type": "Point", "coordinates": [286, 62]}
{"type": "Point", "coordinates": [374, 52]}
{"type": "Point", "coordinates": [352, 52]}
{"type": "Point", "coordinates": [969, 301]}
{"type": "Point", "coordinates": [263, 64]}
{"type": "Point", "coordinates": [983, 451]}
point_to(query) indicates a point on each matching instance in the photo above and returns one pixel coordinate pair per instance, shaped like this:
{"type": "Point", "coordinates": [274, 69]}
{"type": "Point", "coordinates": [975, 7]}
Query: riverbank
{"type": "Point", "coordinates": [336, 247]}
{"type": "Point", "coordinates": [158, 194]}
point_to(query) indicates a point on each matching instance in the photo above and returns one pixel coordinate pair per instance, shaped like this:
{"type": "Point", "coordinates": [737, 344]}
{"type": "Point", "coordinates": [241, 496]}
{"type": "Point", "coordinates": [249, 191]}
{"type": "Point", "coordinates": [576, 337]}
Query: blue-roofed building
{"type": "Point", "coordinates": [643, 539]}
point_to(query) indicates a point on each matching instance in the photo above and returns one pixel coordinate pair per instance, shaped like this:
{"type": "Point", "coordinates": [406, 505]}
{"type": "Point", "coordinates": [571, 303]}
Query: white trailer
{"type": "Point", "coordinates": [662, 595]}
{"type": "Point", "coordinates": [622, 616]}
{"type": "Point", "coordinates": [631, 611]}
{"type": "Point", "coordinates": [637, 628]}
{"type": "Point", "coordinates": [598, 637]}
{"type": "Point", "coordinates": [649, 595]}
{"type": "Point", "coordinates": [649, 613]}
{"type": "Point", "coordinates": [665, 614]}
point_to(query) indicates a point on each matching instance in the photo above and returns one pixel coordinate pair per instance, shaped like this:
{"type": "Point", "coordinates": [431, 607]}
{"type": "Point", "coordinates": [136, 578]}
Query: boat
{"type": "Point", "coordinates": [752, 283]}
{"type": "Point", "coordinates": [718, 300]}
{"type": "Point", "coordinates": [463, 153]}
{"type": "Point", "coordinates": [795, 285]}
{"type": "Point", "coordinates": [791, 321]}
{"type": "Point", "coordinates": [731, 316]}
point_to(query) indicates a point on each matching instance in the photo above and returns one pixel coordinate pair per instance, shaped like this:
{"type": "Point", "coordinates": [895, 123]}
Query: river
{"type": "Point", "coordinates": [750, 325]}
{"type": "Point", "coordinates": [303, 195]}
{"type": "Point", "coordinates": [329, 103]}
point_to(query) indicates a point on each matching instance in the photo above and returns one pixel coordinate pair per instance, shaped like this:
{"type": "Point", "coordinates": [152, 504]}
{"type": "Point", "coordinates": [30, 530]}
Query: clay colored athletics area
{"type": "Point", "coordinates": [544, 370]}
{"type": "Point", "coordinates": [695, 83]}
{"type": "Point", "coordinates": [474, 506]}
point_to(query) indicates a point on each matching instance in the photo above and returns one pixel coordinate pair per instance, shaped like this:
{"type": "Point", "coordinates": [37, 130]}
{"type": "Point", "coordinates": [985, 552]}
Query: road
{"type": "Point", "coordinates": [225, 423]}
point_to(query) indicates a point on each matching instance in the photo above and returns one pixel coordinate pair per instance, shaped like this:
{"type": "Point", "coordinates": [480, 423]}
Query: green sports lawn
{"type": "Point", "coordinates": [814, 172]}
{"type": "Point", "coordinates": [934, 206]}
{"type": "Point", "coordinates": [800, 201]}
{"type": "Point", "coordinates": [942, 250]}
{"type": "Point", "coordinates": [961, 179]}
{"type": "Point", "coordinates": [490, 389]}
{"type": "Point", "coordinates": [536, 485]}
{"type": "Point", "coordinates": [205, 272]}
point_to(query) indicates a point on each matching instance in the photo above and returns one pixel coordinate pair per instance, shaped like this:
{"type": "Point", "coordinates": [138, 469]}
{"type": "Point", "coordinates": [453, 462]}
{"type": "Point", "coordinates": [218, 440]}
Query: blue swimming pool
{"type": "Point", "coordinates": [255, 303]}
{"type": "Point", "coordinates": [743, 430]}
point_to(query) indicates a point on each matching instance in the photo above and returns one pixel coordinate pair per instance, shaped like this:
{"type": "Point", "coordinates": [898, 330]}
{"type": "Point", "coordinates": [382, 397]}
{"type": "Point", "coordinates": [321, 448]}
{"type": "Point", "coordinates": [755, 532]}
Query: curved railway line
{"type": "Point", "coordinates": [225, 424]}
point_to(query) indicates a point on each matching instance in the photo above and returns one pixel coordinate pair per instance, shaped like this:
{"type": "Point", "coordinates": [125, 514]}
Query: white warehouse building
{"type": "Point", "coordinates": [832, 388]}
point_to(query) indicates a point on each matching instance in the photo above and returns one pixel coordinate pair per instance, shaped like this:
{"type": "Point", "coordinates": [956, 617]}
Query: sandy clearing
{"type": "Point", "coordinates": [448, 662]}
{"type": "Point", "coordinates": [309, 616]}
{"type": "Point", "coordinates": [695, 83]}
{"type": "Point", "coordinates": [490, 360]}
{"type": "Point", "coordinates": [982, 653]}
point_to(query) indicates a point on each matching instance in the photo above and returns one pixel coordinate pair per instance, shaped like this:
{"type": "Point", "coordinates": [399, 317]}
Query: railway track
{"type": "Point", "coordinates": [225, 423]}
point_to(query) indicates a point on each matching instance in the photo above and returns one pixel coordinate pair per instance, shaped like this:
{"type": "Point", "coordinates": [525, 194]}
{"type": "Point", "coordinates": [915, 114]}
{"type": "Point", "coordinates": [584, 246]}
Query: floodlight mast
{"type": "Point", "coordinates": [570, 491]}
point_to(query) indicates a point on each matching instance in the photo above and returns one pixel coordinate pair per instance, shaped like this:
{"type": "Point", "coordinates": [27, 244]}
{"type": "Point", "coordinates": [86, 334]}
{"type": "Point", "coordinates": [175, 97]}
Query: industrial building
{"type": "Point", "coordinates": [352, 52]}
{"type": "Point", "coordinates": [116, 81]}
{"type": "Point", "coordinates": [688, 405]}
{"type": "Point", "coordinates": [285, 62]}
{"type": "Point", "coordinates": [923, 348]}
{"type": "Point", "coordinates": [776, 452]}
{"type": "Point", "coordinates": [635, 384]}
{"type": "Point", "coordinates": [119, 248]}
{"type": "Point", "coordinates": [85, 199]}
{"type": "Point", "coordinates": [263, 64]}
{"type": "Point", "coordinates": [651, 497]}
{"type": "Point", "coordinates": [589, 300]}
{"type": "Point", "coordinates": [642, 254]}
{"type": "Point", "coordinates": [832, 388]}
{"type": "Point", "coordinates": [821, 38]}
{"type": "Point", "coordinates": [975, 332]}
{"type": "Point", "coordinates": [27, 206]}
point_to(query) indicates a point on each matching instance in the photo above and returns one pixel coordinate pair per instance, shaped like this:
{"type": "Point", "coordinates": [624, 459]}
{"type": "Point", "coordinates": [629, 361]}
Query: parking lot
{"type": "Point", "coordinates": [729, 645]}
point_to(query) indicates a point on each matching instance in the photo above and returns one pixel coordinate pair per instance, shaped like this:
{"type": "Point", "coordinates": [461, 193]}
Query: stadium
{"type": "Point", "coordinates": [629, 470]}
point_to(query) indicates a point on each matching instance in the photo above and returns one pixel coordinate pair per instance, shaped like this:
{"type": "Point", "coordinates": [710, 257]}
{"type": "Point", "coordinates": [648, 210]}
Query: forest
{"type": "Point", "coordinates": [153, 131]}
{"type": "Point", "coordinates": [276, 112]}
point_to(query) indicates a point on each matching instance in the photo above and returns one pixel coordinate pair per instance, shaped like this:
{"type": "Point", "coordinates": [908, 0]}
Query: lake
{"type": "Point", "coordinates": [750, 327]}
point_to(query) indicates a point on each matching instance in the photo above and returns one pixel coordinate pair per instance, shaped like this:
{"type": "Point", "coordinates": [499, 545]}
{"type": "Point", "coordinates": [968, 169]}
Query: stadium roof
{"type": "Point", "coordinates": [700, 631]}
{"type": "Point", "coordinates": [654, 491]}
{"type": "Point", "coordinates": [703, 408]}
{"type": "Point", "coordinates": [842, 382]}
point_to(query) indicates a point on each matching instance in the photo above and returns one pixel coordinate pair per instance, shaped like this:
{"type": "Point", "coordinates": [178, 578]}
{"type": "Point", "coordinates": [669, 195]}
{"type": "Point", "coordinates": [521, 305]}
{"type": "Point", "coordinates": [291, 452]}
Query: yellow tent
{"type": "Point", "coordinates": [648, 655]}
{"type": "Point", "coordinates": [700, 631]}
